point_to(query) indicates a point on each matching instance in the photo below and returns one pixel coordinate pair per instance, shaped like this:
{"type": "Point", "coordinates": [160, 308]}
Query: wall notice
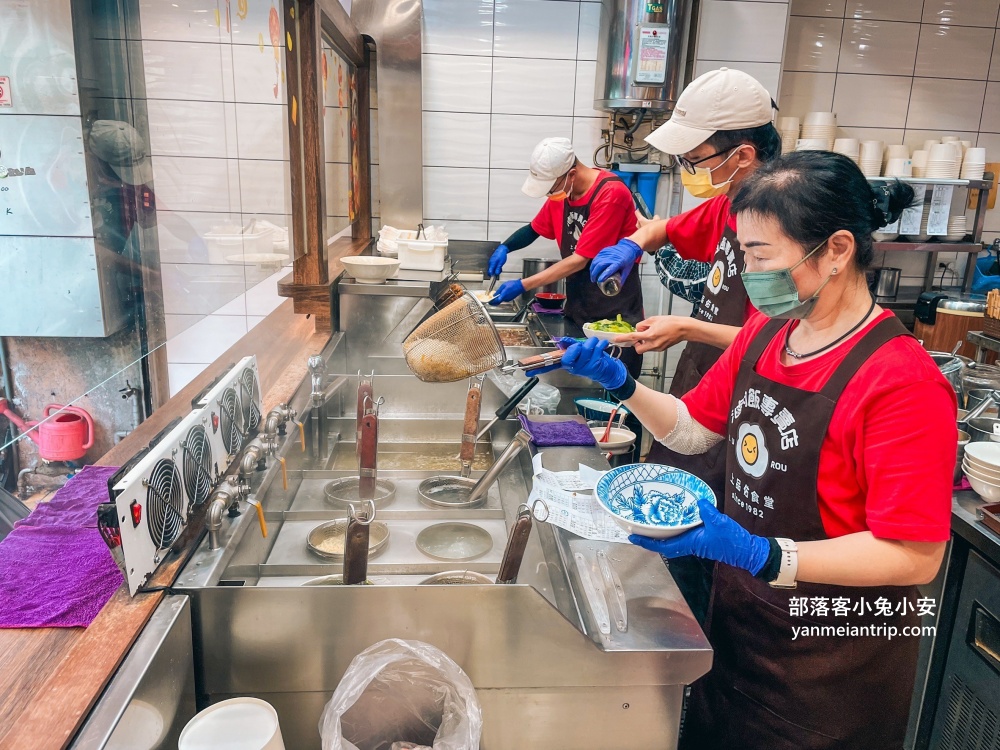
{"type": "Point", "coordinates": [5, 99]}
{"type": "Point", "coordinates": [651, 56]}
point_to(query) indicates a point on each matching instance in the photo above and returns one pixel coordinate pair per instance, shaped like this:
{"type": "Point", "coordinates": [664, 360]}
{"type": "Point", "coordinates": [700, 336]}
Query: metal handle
{"type": "Point", "coordinates": [520, 441]}
{"type": "Point", "coordinates": [517, 542]}
{"type": "Point", "coordinates": [472, 406]}
{"type": "Point", "coordinates": [356, 540]}
{"type": "Point", "coordinates": [616, 592]}
{"type": "Point", "coordinates": [368, 457]}
{"type": "Point", "coordinates": [990, 400]}
{"type": "Point", "coordinates": [504, 411]}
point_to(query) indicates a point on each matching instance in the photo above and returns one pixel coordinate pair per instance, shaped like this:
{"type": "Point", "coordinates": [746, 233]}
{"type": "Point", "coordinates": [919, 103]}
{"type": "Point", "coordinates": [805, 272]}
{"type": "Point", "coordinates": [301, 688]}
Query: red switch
{"type": "Point", "coordinates": [215, 423]}
{"type": "Point", "coordinates": [136, 513]}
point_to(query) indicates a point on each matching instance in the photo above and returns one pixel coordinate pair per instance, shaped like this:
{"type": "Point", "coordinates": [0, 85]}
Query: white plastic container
{"type": "Point", "coordinates": [234, 724]}
{"type": "Point", "coordinates": [422, 255]}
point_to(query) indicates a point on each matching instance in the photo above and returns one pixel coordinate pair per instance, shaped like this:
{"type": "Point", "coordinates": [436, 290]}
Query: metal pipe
{"type": "Point", "coordinates": [214, 522]}
{"type": "Point", "coordinates": [520, 441]}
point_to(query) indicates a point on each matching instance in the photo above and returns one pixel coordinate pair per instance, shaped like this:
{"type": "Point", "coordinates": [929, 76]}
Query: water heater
{"type": "Point", "coordinates": [641, 55]}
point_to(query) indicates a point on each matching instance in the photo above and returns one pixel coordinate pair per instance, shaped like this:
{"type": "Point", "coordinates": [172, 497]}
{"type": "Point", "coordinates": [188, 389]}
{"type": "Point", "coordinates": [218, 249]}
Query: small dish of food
{"type": "Point", "coordinates": [609, 330]}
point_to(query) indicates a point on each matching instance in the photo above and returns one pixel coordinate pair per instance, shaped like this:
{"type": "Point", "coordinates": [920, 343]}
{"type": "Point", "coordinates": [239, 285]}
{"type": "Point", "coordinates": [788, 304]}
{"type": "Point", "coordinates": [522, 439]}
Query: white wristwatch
{"type": "Point", "coordinates": [789, 565]}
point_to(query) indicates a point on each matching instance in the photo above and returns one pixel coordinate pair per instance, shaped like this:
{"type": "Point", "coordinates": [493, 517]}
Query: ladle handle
{"type": "Point", "coordinates": [356, 551]}
{"type": "Point", "coordinates": [473, 404]}
{"type": "Point", "coordinates": [517, 542]}
{"type": "Point", "coordinates": [992, 399]}
{"type": "Point", "coordinates": [368, 457]}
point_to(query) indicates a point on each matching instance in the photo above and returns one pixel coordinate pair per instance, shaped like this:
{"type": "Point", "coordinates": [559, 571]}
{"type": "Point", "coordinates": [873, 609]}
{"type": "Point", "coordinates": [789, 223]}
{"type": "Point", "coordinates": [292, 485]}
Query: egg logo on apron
{"type": "Point", "coordinates": [716, 277]}
{"type": "Point", "coordinates": [751, 451]}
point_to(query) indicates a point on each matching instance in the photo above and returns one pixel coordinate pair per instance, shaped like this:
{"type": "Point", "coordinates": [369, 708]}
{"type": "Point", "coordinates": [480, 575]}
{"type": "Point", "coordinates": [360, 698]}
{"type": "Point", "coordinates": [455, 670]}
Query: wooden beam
{"type": "Point", "coordinates": [362, 179]}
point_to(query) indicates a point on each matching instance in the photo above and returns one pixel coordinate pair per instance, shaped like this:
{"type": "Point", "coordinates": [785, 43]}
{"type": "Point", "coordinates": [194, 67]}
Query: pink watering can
{"type": "Point", "coordinates": [64, 437]}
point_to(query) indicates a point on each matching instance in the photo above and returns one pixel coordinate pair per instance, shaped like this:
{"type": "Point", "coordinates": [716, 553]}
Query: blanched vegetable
{"type": "Point", "coordinates": [612, 326]}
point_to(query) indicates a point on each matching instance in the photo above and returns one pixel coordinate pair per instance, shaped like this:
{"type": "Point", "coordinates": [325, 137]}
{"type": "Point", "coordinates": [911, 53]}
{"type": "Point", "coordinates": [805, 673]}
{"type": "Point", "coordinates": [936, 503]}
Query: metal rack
{"type": "Point", "coordinates": [973, 247]}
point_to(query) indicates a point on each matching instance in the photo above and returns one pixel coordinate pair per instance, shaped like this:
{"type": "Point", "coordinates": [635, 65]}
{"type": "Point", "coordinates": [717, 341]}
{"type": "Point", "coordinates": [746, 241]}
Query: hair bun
{"type": "Point", "coordinates": [889, 200]}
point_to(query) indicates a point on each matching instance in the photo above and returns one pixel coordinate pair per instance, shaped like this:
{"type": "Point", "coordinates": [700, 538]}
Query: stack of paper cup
{"type": "Point", "coordinates": [957, 228]}
{"type": "Point", "coordinates": [941, 161]}
{"type": "Point", "coordinates": [894, 151]}
{"type": "Point", "coordinates": [871, 158]}
{"type": "Point", "coordinates": [812, 144]}
{"type": "Point", "coordinates": [788, 128]}
{"type": "Point", "coordinates": [974, 164]}
{"type": "Point", "coordinates": [897, 166]}
{"type": "Point", "coordinates": [849, 147]}
{"type": "Point", "coordinates": [919, 159]}
{"type": "Point", "coordinates": [927, 144]}
{"type": "Point", "coordinates": [820, 125]}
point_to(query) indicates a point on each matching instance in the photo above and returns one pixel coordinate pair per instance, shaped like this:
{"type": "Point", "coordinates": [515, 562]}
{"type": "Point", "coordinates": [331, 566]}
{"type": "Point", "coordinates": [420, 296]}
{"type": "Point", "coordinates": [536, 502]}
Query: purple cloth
{"type": "Point", "coordinates": [963, 485]}
{"type": "Point", "coordinates": [536, 307]}
{"type": "Point", "coordinates": [552, 434]}
{"type": "Point", "coordinates": [55, 569]}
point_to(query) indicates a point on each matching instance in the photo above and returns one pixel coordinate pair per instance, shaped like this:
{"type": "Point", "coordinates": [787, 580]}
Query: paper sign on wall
{"type": "Point", "coordinates": [909, 222]}
{"type": "Point", "coordinates": [651, 55]}
{"type": "Point", "coordinates": [5, 97]}
{"type": "Point", "coordinates": [940, 209]}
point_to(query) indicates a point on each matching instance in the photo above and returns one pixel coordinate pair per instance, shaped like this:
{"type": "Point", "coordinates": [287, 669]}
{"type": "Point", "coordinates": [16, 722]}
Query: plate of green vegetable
{"type": "Point", "coordinates": [609, 330]}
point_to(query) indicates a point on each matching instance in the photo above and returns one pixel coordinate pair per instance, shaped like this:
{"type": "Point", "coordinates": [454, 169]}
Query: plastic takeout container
{"type": "Point", "coordinates": [422, 255]}
{"type": "Point", "coordinates": [234, 724]}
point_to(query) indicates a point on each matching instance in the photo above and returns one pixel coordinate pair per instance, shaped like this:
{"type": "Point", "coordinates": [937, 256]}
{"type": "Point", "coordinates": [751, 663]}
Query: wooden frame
{"type": "Point", "coordinates": [306, 21]}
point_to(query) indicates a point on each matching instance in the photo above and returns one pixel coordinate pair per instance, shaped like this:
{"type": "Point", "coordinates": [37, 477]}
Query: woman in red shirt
{"type": "Point", "coordinates": [841, 438]}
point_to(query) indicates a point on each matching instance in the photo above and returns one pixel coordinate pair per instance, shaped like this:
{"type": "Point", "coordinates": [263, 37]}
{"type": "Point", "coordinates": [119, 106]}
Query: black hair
{"type": "Point", "coordinates": [813, 194]}
{"type": "Point", "coordinates": [764, 139]}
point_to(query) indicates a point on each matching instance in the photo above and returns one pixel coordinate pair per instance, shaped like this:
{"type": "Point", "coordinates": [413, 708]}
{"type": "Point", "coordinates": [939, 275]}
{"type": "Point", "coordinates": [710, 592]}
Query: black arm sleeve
{"type": "Point", "coordinates": [521, 238]}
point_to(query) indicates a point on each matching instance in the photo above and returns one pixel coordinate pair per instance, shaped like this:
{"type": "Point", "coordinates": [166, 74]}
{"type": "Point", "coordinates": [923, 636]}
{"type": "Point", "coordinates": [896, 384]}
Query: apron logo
{"type": "Point", "coordinates": [751, 450]}
{"type": "Point", "coordinates": [716, 276]}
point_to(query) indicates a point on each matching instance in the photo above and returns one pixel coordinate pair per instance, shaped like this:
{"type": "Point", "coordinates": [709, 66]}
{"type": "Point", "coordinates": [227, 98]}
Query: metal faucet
{"type": "Point", "coordinates": [317, 399]}
{"type": "Point", "coordinates": [520, 441]}
{"type": "Point", "coordinates": [226, 496]}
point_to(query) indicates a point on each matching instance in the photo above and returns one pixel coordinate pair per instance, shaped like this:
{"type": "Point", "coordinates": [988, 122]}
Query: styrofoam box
{"type": "Point", "coordinates": [422, 255]}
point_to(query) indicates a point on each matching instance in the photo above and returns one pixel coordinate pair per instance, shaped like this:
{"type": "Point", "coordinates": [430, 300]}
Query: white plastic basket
{"type": "Point", "coordinates": [422, 255]}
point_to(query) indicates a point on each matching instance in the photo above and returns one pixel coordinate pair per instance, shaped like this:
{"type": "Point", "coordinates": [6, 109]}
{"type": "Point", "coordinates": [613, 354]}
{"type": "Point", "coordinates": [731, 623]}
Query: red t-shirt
{"type": "Point", "coordinates": [612, 216]}
{"type": "Point", "coordinates": [886, 462]}
{"type": "Point", "coordinates": [695, 234]}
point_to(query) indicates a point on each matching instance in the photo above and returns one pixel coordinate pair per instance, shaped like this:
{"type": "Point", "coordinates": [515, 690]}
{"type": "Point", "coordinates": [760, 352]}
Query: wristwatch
{"type": "Point", "coordinates": [789, 565]}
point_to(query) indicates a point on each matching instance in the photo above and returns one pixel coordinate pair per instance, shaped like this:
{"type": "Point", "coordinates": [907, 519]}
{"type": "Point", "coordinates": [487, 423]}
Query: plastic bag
{"type": "Point", "coordinates": [397, 693]}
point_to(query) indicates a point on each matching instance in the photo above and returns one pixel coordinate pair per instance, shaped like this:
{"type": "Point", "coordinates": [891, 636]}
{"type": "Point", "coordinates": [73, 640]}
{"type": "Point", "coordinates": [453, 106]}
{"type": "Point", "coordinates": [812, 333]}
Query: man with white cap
{"type": "Point", "coordinates": [586, 209]}
{"type": "Point", "coordinates": [720, 132]}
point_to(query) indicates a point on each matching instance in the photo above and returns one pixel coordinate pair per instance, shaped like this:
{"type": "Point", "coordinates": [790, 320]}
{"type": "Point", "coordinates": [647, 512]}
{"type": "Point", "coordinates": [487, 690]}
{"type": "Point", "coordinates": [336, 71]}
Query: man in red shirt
{"type": "Point", "coordinates": [586, 210]}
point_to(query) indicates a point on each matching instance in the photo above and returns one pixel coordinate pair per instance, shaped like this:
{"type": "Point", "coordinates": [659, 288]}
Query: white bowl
{"type": "Point", "coordinates": [984, 475]}
{"type": "Point", "coordinates": [370, 270]}
{"type": "Point", "coordinates": [631, 493]}
{"type": "Point", "coordinates": [619, 440]}
{"type": "Point", "coordinates": [984, 489]}
{"type": "Point", "coordinates": [985, 453]}
{"type": "Point", "coordinates": [590, 333]}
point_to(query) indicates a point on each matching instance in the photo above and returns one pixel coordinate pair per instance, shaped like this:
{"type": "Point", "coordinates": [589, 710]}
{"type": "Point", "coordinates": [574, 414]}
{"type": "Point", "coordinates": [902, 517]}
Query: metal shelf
{"type": "Point", "coordinates": [971, 184]}
{"type": "Point", "coordinates": [929, 247]}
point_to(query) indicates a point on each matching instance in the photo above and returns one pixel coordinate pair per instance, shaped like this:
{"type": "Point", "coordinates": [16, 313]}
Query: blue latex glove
{"type": "Point", "coordinates": [563, 343]}
{"type": "Point", "coordinates": [618, 258]}
{"type": "Point", "coordinates": [497, 260]}
{"type": "Point", "coordinates": [507, 291]}
{"type": "Point", "coordinates": [718, 538]}
{"type": "Point", "coordinates": [589, 360]}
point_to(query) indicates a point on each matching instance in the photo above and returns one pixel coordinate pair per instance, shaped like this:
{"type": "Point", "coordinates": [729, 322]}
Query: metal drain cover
{"type": "Point", "coordinates": [448, 492]}
{"type": "Point", "coordinates": [345, 491]}
{"type": "Point", "coordinates": [454, 541]}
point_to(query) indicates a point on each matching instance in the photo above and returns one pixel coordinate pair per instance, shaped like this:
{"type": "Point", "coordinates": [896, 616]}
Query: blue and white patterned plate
{"type": "Point", "coordinates": [652, 499]}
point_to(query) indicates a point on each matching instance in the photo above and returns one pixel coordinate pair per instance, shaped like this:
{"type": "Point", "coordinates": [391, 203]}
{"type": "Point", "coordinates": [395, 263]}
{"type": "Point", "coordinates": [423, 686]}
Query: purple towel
{"type": "Point", "coordinates": [552, 434]}
{"type": "Point", "coordinates": [55, 569]}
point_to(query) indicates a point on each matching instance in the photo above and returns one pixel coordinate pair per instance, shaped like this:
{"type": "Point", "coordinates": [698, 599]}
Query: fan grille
{"type": "Point", "coordinates": [249, 399]}
{"type": "Point", "coordinates": [164, 503]}
{"type": "Point", "coordinates": [230, 420]}
{"type": "Point", "coordinates": [197, 465]}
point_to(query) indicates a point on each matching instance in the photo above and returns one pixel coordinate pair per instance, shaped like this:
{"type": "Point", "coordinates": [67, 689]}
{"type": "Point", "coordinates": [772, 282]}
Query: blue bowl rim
{"type": "Point", "coordinates": [609, 476]}
{"type": "Point", "coordinates": [594, 399]}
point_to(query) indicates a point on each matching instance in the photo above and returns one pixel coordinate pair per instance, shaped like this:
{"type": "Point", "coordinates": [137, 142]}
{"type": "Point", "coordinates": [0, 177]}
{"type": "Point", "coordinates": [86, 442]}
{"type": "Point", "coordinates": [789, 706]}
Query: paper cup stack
{"type": "Point", "coordinates": [788, 128]}
{"type": "Point", "coordinates": [973, 164]}
{"type": "Point", "coordinates": [871, 158]}
{"type": "Point", "coordinates": [919, 159]}
{"type": "Point", "coordinates": [897, 161]}
{"type": "Point", "coordinates": [849, 147]}
{"type": "Point", "coordinates": [941, 161]}
{"type": "Point", "coordinates": [820, 126]}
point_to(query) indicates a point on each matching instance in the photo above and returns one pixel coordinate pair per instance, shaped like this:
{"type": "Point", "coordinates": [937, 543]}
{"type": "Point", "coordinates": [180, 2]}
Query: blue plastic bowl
{"type": "Point", "coordinates": [598, 408]}
{"type": "Point", "coordinates": [652, 499]}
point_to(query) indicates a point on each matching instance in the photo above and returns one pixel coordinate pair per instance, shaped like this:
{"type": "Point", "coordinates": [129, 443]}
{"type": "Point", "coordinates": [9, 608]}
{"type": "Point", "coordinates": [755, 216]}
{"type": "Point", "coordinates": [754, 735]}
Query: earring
{"type": "Point", "coordinates": [834, 271]}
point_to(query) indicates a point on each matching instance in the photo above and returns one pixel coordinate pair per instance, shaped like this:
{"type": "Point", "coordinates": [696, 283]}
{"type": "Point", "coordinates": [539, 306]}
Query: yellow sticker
{"type": "Point", "coordinates": [260, 42]}
{"type": "Point", "coordinates": [295, 110]}
{"type": "Point", "coordinates": [291, 11]}
{"type": "Point", "coordinates": [288, 41]}
{"type": "Point", "coordinates": [242, 8]}
{"type": "Point", "coordinates": [218, 18]}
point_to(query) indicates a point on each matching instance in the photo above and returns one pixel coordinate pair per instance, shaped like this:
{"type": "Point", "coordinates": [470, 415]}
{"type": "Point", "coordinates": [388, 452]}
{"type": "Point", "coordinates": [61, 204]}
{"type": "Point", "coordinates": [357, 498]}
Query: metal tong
{"type": "Point", "coordinates": [368, 451]}
{"type": "Point", "coordinates": [504, 411]}
{"type": "Point", "coordinates": [473, 404]}
{"type": "Point", "coordinates": [356, 541]}
{"type": "Point", "coordinates": [517, 542]}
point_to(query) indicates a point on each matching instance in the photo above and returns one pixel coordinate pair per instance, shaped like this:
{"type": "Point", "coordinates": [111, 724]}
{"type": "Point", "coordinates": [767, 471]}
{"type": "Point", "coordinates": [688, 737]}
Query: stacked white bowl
{"type": "Point", "coordinates": [973, 164]}
{"type": "Point", "coordinates": [849, 147]}
{"type": "Point", "coordinates": [919, 159]}
{"type": "Point", "coordinates": [957, 228]}
{"type": "Point", "coordinates": [871, 158]}
{"type": "Point", "coordinates": [788, 128]}
{"type": "Point", "coordinates": [820, 126]}
{"type": "Point", "coordinates": [943, 161]}
{"type": "Point", "coordinates": [982, 466]}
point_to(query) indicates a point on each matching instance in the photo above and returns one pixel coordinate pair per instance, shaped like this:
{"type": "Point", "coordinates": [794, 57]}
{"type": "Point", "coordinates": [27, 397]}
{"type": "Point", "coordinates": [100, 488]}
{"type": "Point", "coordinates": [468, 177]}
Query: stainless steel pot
{"type": "Point", "coordinates": [884, 283]}
{"type": "Point", "coordinates": [979, 429]}
{"type": "Point", "coordinates": [952, 367]}
{"type": "Point", "coordinates": [963, 440]}
{"type": "Point", "coordinates": [531, 266]}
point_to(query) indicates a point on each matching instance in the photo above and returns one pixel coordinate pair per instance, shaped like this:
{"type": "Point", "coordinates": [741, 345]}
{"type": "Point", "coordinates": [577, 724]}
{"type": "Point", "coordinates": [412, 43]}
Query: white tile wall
{"type": "Point", "coordinates": [741, 31]}
{"type": "Point", "coordinates": [456, 139]}
{"type": "Point", "coordinates": [536, 29]}
{"type": "Point", "coordinates": [514, 137]}
{"type": "Point", "coordinates": [886, 46]}
{"type": "Point", "coordinates": [456, 83]}
{"type": "Point", "coordinates": [458, 27]}
{"type": "Point", "coordinates": [520, 89]}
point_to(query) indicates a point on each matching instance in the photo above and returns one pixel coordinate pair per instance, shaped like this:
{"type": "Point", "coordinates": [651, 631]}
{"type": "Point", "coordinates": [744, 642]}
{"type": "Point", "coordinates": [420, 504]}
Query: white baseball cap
{"type": "Point", "coordinates": [551, 159]}
{"type": "Point", "coordinates": [723, 99]}
{"type": "Point", "coordinates": [123, 148]}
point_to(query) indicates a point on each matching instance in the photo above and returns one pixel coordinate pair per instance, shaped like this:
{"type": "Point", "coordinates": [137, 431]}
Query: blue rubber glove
{"type": "Point", "coordinates": [563, 343]}
{"type": "Point", "coordinates": [618, 258]}
{"type": "Point", "coordinates": [507, 291]}
{"type": "Point", "coordinates": [589, 360]}
{"type": "Point", "coordinates": [497, 260]}
{"type": "Point", "coordinates": [718, 538]}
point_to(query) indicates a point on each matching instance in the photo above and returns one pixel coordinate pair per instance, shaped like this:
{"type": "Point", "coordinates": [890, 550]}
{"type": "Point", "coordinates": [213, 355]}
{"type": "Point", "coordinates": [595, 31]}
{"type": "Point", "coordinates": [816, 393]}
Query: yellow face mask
{"type": "Point", "coordinates": [700, 184]}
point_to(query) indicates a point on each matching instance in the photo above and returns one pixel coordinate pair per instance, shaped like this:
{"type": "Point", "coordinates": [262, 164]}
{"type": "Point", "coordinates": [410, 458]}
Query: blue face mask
{"type": "Point", "coordinates": [774, 292]}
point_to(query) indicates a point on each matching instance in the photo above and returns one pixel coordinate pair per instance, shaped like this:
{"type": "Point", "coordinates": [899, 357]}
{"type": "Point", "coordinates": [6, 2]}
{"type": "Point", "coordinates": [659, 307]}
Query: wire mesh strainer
{"type": "Point", "coordinates": [457, 342]}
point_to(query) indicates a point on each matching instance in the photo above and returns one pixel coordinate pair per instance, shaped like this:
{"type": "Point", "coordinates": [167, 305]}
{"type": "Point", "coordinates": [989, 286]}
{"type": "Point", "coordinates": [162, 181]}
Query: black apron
{"type": "Point", "coordinates": [585, 302]}
{"type": "Point", "coordinates": [724, 301]}
{"type": "Point", "coordinates": [766, 690]}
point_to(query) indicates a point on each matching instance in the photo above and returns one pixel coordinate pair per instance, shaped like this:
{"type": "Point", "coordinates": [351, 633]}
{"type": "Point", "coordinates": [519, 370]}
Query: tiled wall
{"type": "Point", "coordinates": [900, 72]}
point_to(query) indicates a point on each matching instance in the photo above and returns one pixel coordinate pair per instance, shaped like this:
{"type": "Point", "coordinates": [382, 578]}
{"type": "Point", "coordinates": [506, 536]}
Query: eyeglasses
{"type": "Point", "coordinates": [690, 165]}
